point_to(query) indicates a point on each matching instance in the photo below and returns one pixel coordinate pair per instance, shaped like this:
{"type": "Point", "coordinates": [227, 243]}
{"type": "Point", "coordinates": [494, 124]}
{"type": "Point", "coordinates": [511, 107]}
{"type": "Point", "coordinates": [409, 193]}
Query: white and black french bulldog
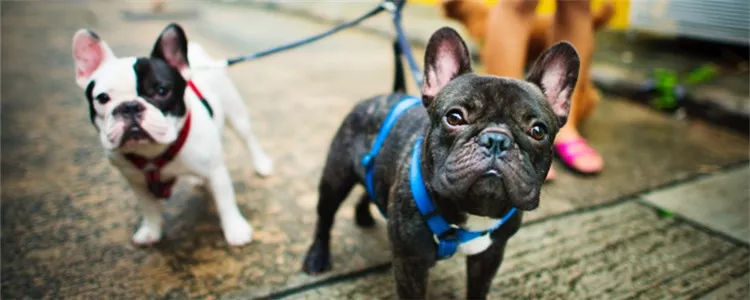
{"type": "Point", "coordinates": [476, 149]}
{"type": "Point", "coordinates": [159, 120]}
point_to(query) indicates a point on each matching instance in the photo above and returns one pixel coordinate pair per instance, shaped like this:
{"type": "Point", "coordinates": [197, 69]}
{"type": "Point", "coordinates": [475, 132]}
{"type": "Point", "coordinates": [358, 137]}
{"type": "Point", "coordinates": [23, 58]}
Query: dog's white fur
{"type": "Point", "coordinates": [201, 156]}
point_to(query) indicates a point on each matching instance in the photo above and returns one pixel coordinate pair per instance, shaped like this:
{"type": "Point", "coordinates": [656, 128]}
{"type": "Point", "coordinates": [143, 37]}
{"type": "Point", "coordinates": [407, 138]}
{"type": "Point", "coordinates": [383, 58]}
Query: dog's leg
{"type": "Point", "coordinates": [362, 215]}
{"type": "Point", "coordinates": [237, 231]}
{"type": "Point", "coordinates": [481, 269]}
{"type": "Point", "coordinates": [335, 185]}
{"type": "Point", "coordinates": [239, 118]}
{"type": "Point", "coordinates": [150, 230]}
{"type": "Point", "coordinates": [411, 276]}
{"type": "Point", "coordinates": [399, 83]}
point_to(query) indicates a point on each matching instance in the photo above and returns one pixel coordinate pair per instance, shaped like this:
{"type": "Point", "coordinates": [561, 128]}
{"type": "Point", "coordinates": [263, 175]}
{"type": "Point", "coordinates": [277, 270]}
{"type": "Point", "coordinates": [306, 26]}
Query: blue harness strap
{"type": "Point", "coordinates": [448, 236]}
{"type": "Point", "coordinates": [368, 160]}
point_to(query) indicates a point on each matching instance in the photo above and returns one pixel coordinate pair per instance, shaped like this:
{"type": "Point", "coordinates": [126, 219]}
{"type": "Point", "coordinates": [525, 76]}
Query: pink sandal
{"type": "Point", "coordinates": [573, 149]}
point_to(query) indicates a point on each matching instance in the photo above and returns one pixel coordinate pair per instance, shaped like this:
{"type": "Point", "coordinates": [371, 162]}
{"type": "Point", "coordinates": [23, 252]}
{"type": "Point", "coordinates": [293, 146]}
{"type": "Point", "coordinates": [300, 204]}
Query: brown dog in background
{"type": "Point", "coordinates": [473, 15]}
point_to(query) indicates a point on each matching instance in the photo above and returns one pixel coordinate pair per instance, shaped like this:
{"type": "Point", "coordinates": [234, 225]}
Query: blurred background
{"type": "Point", "coordinates": [666, 216]}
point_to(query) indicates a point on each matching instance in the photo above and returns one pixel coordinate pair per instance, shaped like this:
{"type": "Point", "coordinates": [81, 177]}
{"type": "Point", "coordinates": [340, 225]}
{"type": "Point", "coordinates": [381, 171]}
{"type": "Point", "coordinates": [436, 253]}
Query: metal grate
{"type": "Point", "coordinates": [716, 20]}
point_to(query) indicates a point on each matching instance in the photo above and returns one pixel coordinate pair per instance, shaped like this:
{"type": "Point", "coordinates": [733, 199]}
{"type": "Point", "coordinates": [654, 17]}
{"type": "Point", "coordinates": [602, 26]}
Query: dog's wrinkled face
{"type": "Point", "coordinates": [490, 140]}
{"type": "Point", "coordinates": [133, 101]}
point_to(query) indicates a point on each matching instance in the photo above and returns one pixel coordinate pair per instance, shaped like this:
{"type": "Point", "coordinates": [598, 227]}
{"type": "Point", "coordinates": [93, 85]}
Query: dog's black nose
{"type": "Point", "coordinates": [496, 142]}
{"type": "Point", "coordinates": [129, 108]}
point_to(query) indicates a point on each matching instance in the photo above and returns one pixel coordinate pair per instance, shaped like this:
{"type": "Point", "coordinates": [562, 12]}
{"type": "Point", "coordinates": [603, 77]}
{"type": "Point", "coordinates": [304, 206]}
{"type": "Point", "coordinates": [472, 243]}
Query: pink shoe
{"type": "Point", "coordinates": [571, 152]}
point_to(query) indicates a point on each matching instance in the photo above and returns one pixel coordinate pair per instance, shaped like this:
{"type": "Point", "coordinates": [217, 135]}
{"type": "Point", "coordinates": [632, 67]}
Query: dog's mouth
{"type": "Point", "coordinates": [135, 135]}
{"type": "Point", "coordinates": [492, 172]}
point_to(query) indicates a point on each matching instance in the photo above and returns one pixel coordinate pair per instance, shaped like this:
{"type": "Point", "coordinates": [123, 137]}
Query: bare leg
{"type": "Point", "coordinates": [504, 50]}
{"type": "Point", "coordinates": [573, 23]}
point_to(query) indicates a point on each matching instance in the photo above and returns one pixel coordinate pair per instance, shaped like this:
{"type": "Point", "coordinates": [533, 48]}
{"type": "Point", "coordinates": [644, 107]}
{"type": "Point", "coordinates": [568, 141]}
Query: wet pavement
{"type": "Point", "coordinates": [67, 216]}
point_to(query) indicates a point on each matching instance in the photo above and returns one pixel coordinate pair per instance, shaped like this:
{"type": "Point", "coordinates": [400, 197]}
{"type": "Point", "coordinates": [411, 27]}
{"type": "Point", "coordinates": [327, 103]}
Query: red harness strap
{"type": "Point", "coordinates": [157, 187]}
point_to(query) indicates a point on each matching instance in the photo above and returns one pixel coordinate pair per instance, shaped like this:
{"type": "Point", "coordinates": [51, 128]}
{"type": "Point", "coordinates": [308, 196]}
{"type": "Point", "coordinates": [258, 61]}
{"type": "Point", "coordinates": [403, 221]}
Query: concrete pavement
{"type": "Point", "coordinates": [67, 216]}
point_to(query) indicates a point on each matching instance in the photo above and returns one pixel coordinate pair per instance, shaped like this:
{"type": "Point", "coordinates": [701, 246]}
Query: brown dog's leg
{"type": "Point", "coordinates": [504, 51]}
{"type": "Point", "coordinates": [472, 14]}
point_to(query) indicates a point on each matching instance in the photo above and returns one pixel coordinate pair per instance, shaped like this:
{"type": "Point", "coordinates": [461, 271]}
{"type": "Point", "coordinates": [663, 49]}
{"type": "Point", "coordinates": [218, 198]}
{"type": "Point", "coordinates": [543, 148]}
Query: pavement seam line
{"type": "Point", "coordinates": [695, 224]}
{"type": "Point", "coordinates": [381, 268]}
{"type": "Point", "coordinates": [377, 269]}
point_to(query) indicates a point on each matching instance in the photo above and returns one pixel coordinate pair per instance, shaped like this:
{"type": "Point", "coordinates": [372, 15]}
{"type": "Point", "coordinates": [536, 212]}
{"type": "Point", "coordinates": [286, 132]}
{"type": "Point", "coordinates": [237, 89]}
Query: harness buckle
{"type": "Point", "coordinates": [448, 235]}
{"type": "Point", "coordinates": [149, 167]}
{"type": "Point", "coordinates": [367, 160]}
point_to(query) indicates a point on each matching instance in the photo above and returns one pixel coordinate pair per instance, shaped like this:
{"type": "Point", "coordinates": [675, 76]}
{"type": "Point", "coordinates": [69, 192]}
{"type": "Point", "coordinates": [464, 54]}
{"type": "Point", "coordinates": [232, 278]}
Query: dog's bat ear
{"type": "Point", "coordinates": [446, 58]}
{"type": "Point", "coordinates": [172, 47]}
{"type": "Point", "coordinates": [89, 53]}
{"type": "Point", "coordinates": [556, 73]}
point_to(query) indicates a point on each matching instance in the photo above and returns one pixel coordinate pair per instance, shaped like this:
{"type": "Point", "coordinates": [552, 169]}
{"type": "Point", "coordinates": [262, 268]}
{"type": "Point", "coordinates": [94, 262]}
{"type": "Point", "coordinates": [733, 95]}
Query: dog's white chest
{"type": "Point", "coordinates": [479, 244]}
{"type": "Point", "coordinates": [476, 246]}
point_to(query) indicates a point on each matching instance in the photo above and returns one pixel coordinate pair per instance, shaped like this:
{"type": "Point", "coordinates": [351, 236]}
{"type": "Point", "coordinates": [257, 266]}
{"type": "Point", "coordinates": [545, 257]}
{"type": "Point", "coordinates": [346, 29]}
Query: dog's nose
{"type": "Point", "coordinates": [129, 108]}
{"type": "Point", "coordinates": [496, 142]}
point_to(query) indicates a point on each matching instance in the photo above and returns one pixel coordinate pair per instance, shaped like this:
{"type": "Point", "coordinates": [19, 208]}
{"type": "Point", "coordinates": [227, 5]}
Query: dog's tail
{"type": "Point", "coordinates": [399, 83]}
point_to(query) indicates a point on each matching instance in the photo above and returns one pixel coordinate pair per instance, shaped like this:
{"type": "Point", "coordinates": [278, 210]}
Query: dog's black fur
{"type": "Point", "coordinates": [487, 148]}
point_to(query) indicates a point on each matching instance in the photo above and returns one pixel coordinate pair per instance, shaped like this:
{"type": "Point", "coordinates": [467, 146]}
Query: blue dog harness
{"type": "Point", "coordinates": [448, 237]}
{"type": "Point", "coordinates": [369, 159]}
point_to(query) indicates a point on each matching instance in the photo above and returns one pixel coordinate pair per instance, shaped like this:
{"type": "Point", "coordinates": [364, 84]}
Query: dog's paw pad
{"type": "Point", "coordinates": [147, 235]}
{"type": "Point", "coordinates": [263, 167]}
{"type": "Point", "coordinates": [238, 233]}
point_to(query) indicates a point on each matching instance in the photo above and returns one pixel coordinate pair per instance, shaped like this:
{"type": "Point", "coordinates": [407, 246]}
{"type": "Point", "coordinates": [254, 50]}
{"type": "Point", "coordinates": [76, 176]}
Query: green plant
{"type": "Point", "coordinates": [667, 84]}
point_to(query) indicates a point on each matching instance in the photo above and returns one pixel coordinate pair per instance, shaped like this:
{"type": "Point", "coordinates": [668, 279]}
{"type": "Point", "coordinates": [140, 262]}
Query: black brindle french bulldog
{"type": "Point", "coordinates": [487, 149]}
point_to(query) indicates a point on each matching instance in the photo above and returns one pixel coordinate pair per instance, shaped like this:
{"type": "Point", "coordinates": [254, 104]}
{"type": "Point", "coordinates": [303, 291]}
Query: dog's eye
{"type": "Point", "coordinates": [103, 98]}
{"type": "Point", "coordinates": [455, 118]}
{"type": "Point", "coordinates": [538, 132]}
{"type": "Point", "coordinates": [162, 91]}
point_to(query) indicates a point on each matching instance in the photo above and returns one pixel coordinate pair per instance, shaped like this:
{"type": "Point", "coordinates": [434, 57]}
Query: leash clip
{"type": "Point", "coordinates": [389, 6]}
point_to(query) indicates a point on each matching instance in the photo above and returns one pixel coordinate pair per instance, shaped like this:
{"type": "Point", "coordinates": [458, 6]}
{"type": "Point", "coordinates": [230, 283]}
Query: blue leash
{"type": "Point", "coordinates": [404, 44]}
{"type": "Point", "coordinates": [394, 6]}
{"type": "Point", "coordinates": [252, 56]}
{"type": "Point", "coordinates": [448, 237]}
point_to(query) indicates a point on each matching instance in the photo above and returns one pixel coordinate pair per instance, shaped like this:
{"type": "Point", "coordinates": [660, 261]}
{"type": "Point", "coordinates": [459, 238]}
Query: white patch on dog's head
{"type": "Point", "coordinates": [133, 101]}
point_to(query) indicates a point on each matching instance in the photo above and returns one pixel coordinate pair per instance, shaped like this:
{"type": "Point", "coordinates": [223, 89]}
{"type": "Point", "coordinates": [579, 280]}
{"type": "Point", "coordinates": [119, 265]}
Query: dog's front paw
{"type": "Point", "coordinates": [238, 232]}
{"type": "Point", "coordinates": [263, 166]}
{"type": "Point", "coordinates": [147, 235]}
{"type": "Point", "coordinates": [318, 258]}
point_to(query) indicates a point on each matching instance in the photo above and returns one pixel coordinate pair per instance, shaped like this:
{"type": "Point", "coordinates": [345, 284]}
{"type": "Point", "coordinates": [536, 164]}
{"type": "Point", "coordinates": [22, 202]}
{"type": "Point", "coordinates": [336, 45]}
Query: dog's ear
{"type": "Point", "coordinates": [172, 47]}
{"type": "Point", "coordinates": [446, 58]}
{"type": "Point", "coordinates": [556, 73]}
{"type": "Point", "coordinates": [89, 53]}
